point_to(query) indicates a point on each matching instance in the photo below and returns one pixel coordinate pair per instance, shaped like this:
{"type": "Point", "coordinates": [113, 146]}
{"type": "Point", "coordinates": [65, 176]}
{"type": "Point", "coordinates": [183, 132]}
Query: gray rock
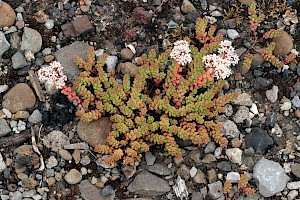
{"type": "Point", "coordinates": [73, 177]}
{"type": "Point", "coordinates": [292, 194]}
{"type": "Point", "coordinates": [56, 140]}
{"type": "Point", "coordinates": [4, 44]}
{"type": "Point", "coordinates": [184, 172]}
{"type": "Point", "coordinates": [188, 7]}
{"type": "Point", "coordinates": [296, 101]}
{"type": "Point", "coordinates": [4, 197]}
{"type": "Point", "coordinates": [230, 129]}
{"type": "Point", "coordinates": [296, 169]}
{"type": "Point", "coordinates": [35, 117]}
{"type": "Point", "coordinates": [148, 184]}
{"type": "Point", "coordinates": [210, 147]}
{"type": "Point", "coordinates": [3, 88]}
{"type": "Point", "coordinates": [228, 110]}
{"type": "Point", "coordinates": [4, 128]}
{"type": "Point", "coordinates": [293, 185]}
{"type": "Point", "coordinates": [215, 190]}
{"type": "Point", "coordinates": [212, 176]}
{"type": "Point", "coordinates": [199, 177]}
{"type": "Point", "coordinates": [65, 154]}
{"type": "Point", "coordinates": [150, 158]}
{"type": "Point", "coordinates": [28, 193]}
{"type": "Point", "coordinates": [197, 196]}
{"type": "Point", "coordinates": [241, 114]}
{"type": "Point", "coordinates": [66, 55]}
{"type": "Point", "coordinates": [259, 140]}
{"type": "Point", "coordinates": [52, 162]}
{"type": "Point", "coordinates": [31, 40]}
{"type": "Point", "coordinates": [234, 177]}
{"type": "Point", "coordinates": [18, 60]}
{"type": "Point", "coordinates": [85, 160]}
{"type": "Point", "coordinates": [270, 176]}
{"type": "Point", "coordinates": [2, 164]}
{"type": "Point", "coordinates": [107, 190]}
{"type": "Point", "coordinates": [262, 83]}
{"type": "Point", "coordinates": [17, 196]}
{"type": "Point", "coordinates": [216, 13]}
{"type": "Point", "coordinates": [111, 63]}
{"type": "Point", "coordinates": [272, 94]}
{"type": "Point", "coordinates": [232, 34]}
{"type": "Point", "coordinates": [224, 166]}
{"type": "Point", "coordinates": [90, 192]}
{"type": "Point", "coordinates": [244, 99]}
{"type": "Point", "coordinates": [159, 169]}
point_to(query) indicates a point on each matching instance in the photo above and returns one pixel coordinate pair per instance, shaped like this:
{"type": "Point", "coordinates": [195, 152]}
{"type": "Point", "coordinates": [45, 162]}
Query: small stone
{"type": "Point", "coordinates": [126, 54]}
{"type": "Point", "coordinates": [216, 13]}
{"type": "Point", "coordinates": [244, 99]}
{"type": "Point", "coordinates": [230, 129]}
{"type": "Point", "coordinates": [246, 2]}
{"type": "Point", "coordinates": [241, 114]}
{"type": "Point", "coordinates": [159, 169]}
{"type": "Point", "coordinates": [52, 162]}
{"type": "Point", "coordinates": [35, 117]}
{"type": "Point", "coordinates": [150, 158]}
{"type": "Point", "coordinates": [4, 44]}
{"type": "Point", "coordinates": [215, 190]}
{"type": "Point", "coordinates": [19, 97]}
{"type": "Point", "coordinates": [199, 177]}
{"type": "Point", "coordinates": [65, 154]}
{"type": "Point", "coordinates": [254, 109]}
{"type": "Point", "coordinates": [212, 176]}
{"type": "Point", "coordinates": [292, 194]}
{"type": "Point", "coordinates": [272, 94]}
{"type": "Point", "coordinates": [284, 44]}
{"type": "Point", "coordinates": [188, 7]}
{"type": "Point", "coordinates": [234, 177]}
{"type": "Point", "coordinates": [49, 24]}
{"type": "Point", "coordinates": [28, 183]}
{"type": "Point", "coordinates": [286, 106]}
{"type": "Point", "coordinates": [224, 166]}
{"type": "Point", "coordinates": [73, 177]}
{"type": "Point", "coordinates": [4, 128]}
{"type": "Point", "coordinates": [297, 113]}
{"type": "Point", "coordinates": [7, 15]}
{"type": "Point", "coordinates": [3, 88]}
{"type": "Point", "coordinates": [234, 155]}
{"type": "Point", "coordinates": [77, 27]}
{"type": "Point", "coordinates": [293, 185]}
{"type": "Point", "coordinates": [127, 68]}
{"type": "Point", "coordinates": [2, 164]}
{"type": "Point", "coordinates": [41, 16]}
{"type": "Point", "coordinates": [106, 191]}
{"type": "Point", "coordinates": [31, 40]}
{"type": "Point", "coordinates": [85, 160]}
{"type": "Point", "coordinates": [236, 142]}
{"type": "Point", "coordinates": [55, 140]}
{"type": "Point", "coordinates": [85, 8]}
{"type": "Point", "coordinates": [257, 59]}
{"type": "Point", "coordinates": [232, 34]}
{"type": "Point", "coordinates": [111, 63]}
{"type": "Point", "coordinates": [259, 140]}
{"type": "Point", "coordinates": [184, 172]}
{"type": "Point", "coordinates": [76, 156]}
{"type": "Point", "coordinates": [296, 169]}
{"type": "Point", "coordinates": [193, 172]}
{"type": "Point", "coordinates": [18, 60]}
{"type": "Point", "coordinates": [129, 171]}
{"type": "Point", "coordinates": [48, 58]}
{"type": "Point", "coordinates": [51, 181]}
{"type": "Point", "coordinates": [296, 101]}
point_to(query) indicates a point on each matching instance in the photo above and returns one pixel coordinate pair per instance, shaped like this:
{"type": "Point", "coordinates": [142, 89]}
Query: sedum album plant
{"type": "Point", "coordinates": [174, 95]}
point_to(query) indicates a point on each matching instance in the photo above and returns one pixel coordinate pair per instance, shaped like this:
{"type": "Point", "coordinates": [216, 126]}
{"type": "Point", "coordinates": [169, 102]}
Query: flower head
{"type": "Point", "coordinates": [181, 52]}
{"type": "Point", "coordinates": [220, 64]}
{"type": "Point", "coordinates": [52, 74]}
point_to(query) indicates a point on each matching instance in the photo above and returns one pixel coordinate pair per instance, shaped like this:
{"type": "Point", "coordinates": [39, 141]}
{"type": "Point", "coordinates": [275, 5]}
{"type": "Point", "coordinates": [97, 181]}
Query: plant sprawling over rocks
{"type": "Point", "coordinates": [174, 94]}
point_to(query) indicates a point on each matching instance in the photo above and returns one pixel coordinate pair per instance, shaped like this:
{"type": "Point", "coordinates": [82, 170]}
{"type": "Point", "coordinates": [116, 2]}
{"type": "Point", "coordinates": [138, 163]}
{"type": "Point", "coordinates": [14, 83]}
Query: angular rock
{"type": "Point", "coordinates": [284, 44]}
{"type": "Point", "coordinates": [215, 190]}
{"type": "Point", "coordinates": [259, 140]}
{"type": "Point", "coordinates": [224, 166]}
{"type": "Point", "coordinates": [159, 169]}
{"type": "Point", "coordinates": [296, 169]}
{"type": "Point", "coordinates": [4, 44]}
{"type": "Point", "coordinates": [35, 117]}
{"type": "Point", "coordinates": [73, 177]}
{"type": "Point", "coordinates": [188, 7]}
{"type": "Point", "coordinates": [90, 192]}
{"type": "Point", "coordinates": [77, 27]}
{"type": "Point", "coordinates": [150, 158]}
{"type": "Point", "coordinates": [199, 177]}
{"type": "Point", "coordinates": [18, 60]}
{"type": "Point", "coordinates": [261, 83]}
{"type": "Point", "coordinates": [234, 155]}
{"type": "Point", "coordinates": [95, 132]}
{"type": "Point", "coordinates": [111, 63]}
{"type": "Point", "coordinates": [293, 185]}
{"type": "Point", "coordinates": [2, 164]}
{"type": "Point", "coordinates": [241, 114]}
{"type": "Point", "coordinates": [244, 99]}
{"type": "Point", "coordinates": [272, 94]}
{"type": "Point", "coordinates": [148, 184]}
{"type": "Point", "coordinates": [234, 177]}
{"type": "Point", "coordinates": [270, 176]}
{"type": "Point", "coordinates": [66, 55]}
{"type": "Point", "coordinates": [230, 129]}
{"type": "Point", "coordinates": [7, 15]}
{"type": "Point", "coordinates": [20, 97]}
{"type": "Point", "coordinates": [56, 140]}
{"type": "Point", "coordinates": [4, 128]}
{"type": "Point", "coordinates": [31, 40]}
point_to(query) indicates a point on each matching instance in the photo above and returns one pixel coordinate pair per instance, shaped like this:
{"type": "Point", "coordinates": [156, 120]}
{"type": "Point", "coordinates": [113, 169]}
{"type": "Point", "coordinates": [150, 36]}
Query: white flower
{"type": "Point", "coordinates": [52, 74]}
{"type": "Point", "coordinates": [220, 64]}
{"type": "Point", "coordinates": [181, 52]}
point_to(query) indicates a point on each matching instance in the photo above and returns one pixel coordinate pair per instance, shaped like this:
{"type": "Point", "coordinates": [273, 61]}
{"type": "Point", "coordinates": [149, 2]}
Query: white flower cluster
{"type": "Point", "coordinates": [53, 75]}
{"type": "Point", "coordinates": [181, 52]}
{"type": "Point", "coordinates": [220, 64]}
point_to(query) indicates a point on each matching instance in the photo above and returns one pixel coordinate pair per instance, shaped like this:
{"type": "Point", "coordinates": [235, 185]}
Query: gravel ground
{"type": "Point", "coordinates": [47, 153]}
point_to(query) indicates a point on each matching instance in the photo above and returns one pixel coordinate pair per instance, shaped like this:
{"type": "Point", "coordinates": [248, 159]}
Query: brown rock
{"type": "Point", "coordinates": [297, 113]}
{"type": "Point", "coordinates": [188, 7]}
{"type": "Point", "coordinates": [28, 183]}
{"type": "Point", "coordinates": [77, 27]}
{"type": "Point", "coordinates": [95, 132]}
{"type": "Point", "coordinates": [284, 44]}
{"type": "Point", "coordinates": [257, 60]}
{"type": "Point", "coordinates": [126, 54]}
{"type": "Point", "coordinates": [128, 68]}
{"type": "Point", "coordinates": [85, 8]}
{"type": "Point", "coordinates": [41, 16]}
{"type": "Point", "coordinates": [48, 58]}
{"type": "Point", "coordinates": [76, 156]}
{"type": "Point", "coordinates": [246, 2]}
{"type": "Point", "coordinates": [7, 15]}
{"type": "Point", "coordinates": [142, 16]}
{"type": "Point", "coordinates": [236, 142]}
{"type": "Point", "coordinates": [21, 115]}
{"type": "Point", "coordinates": [20, 97]}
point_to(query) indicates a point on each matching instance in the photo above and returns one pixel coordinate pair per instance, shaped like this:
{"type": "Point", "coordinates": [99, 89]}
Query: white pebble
{"type": "Point", "coordinates": [232, 34]}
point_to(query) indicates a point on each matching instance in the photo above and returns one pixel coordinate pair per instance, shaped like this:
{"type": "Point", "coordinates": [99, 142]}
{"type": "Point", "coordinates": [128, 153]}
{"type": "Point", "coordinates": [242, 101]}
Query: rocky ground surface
{"type": "Point", "coordinates": [47, 153]}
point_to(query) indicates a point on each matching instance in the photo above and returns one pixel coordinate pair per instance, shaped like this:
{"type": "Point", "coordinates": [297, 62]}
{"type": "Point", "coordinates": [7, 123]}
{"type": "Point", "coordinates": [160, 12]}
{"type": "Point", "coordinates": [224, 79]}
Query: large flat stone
{"type": "Point", "coordinates": [66, 55]}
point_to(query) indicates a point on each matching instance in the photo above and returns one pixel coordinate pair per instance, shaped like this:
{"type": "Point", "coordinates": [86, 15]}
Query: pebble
{"type": "Point", "coordinates": [284, 44]}
{"type": "Point", "coordinates": [188, 7]}
{"type": "Point", "coordinates": [52, 162]}
{"type": "Point", "coordinates": [234, 155]}
{"type": "Point", "coordinates": [21, 115]}
{"type": "Point", "coordinates": [286, 106]}
{"type": "Point", "coordinates": [4, 128]}
{"type": "Point", "coordinates": [150, 158]}
{"type": "Point", "coordinates": [244, 99]}
{"type": "Point", "coordinates": [159, 169]}
{"type": "Point", "coordinates": [272, 94]}
{"type": "Point", "coordinates": [111, 63]}
{"type": "Point", "coordinates": [193, 172]}
{"type": "Point", "coordinates": [292, 194]}
{"type": "Point", "coordinates": [106, 191]}
{"type": "Point", "coordinates": [215, 190]}
{"type": "Point", "coordinates": [18, 60]}
{"type": "Point", "coordinates": [73, 177]}
{"type": "Point", "coordinates": [216, 13]}
{"type": "Point", "coordinates": [35, 117]}
{"type": "Point", "coordinates": [230, 129]}
{"type": "Point", "coordinates": [65, 154]}
{"type": "Point", "coordinates": [126, 54]}
{"type": "Point", "coordinates": [128, 68]}
{"type": "Point", "coordinates": [3, 43]}
{"type": "Point", "coordinates": [31, 40]}
{"type": "Point", "coordinates": [49, 24]}
{"type": "Point", "coordinates": [232, 34]}
{"type": "Point", "coordinates": [7, 15]}
{"type": "Point", "coordinates": [199, 177]}
{"type": "Point", "coordinates": [241, 114]}
{"type": "Point", "coordinates": [296, 101]}
{"type": "Point", "coordinates": [2, 164]}
{"type": "Point", "coordinates": [55, 140]}
{"type": "Point", "coordinates": [85, 160]}
{"type": "Point", "coordinates": [234, 177]}
{"type": "Point", "coordinates": [77, 27]}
